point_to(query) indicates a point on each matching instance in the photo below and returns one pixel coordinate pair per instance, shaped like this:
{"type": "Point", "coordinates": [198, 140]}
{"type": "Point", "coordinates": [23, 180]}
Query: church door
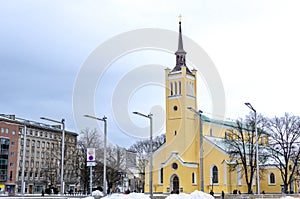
{"type": "Point", "coordinates": [175, 184]}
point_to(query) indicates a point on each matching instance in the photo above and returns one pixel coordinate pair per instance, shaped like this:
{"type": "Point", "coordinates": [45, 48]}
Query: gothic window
{"type": "Point", "coordinates": [215, 174]}
{"type": "Point", "coordinates": [179, 88]}
{"type": "Point", "coordinates": [272, 178]}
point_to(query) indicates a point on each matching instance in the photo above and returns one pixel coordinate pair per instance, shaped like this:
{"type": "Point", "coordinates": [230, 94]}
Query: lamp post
{"type": "Point", "coordinates": [199, 113]}
{"type": "Point", "coordinates": [256, 145]}
{"type": "Point", "coordinates": [151, 151]}
{"type": "Point", "coordinates": [104, 119]}
{"type": "Point", "coordinates": [62, 152]}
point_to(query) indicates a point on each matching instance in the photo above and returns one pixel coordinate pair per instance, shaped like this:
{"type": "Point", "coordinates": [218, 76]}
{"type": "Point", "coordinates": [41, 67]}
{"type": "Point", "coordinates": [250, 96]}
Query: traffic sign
{"type": "Point", "coordinates": [90, 155]}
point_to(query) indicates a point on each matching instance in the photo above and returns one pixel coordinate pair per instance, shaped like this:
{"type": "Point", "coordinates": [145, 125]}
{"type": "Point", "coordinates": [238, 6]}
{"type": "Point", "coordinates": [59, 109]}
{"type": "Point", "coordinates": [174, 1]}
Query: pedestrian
{"type": "Point", "coordinates": [211, 192]}
{"type": "Point", "coordinates": [223, 194]}
{"type": "Point", "coordinates": [43, 193]}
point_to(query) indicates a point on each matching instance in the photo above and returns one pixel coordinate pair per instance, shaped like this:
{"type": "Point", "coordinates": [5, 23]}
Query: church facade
{"type": "Point", "coordinates": [176, 163]}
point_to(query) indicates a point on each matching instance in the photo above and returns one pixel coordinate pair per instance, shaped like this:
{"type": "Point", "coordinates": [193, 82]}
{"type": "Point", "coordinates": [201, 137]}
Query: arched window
{"type": "Point", "coordinates": [272, 178]}
{"type": "Point", "coordinates": [194, 180]}
{"type": "Point", "coordinates": [179, 88]}
{"type": "Point", "coordinates": [175, 88]}
{"type": "Point", "coordinates": [215, 174]}
{"type": "Point", "coordinates": [171, 89]}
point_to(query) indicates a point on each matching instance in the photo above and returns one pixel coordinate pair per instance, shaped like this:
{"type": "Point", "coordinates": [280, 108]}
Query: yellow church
{"type": "Point", "coordinates": [176, 163]}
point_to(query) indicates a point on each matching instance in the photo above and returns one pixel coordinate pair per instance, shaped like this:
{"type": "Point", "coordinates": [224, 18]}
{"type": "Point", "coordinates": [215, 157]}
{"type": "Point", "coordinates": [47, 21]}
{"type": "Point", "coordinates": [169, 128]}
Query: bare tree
{"type": "Point", "coordinates": [284, 146]}
{"type": "Point", "coordinates": [241, 147]}
{"type": "Point", "coordinates": [142, 149]}
{"type": "Point", "coordinates": [88, 139]}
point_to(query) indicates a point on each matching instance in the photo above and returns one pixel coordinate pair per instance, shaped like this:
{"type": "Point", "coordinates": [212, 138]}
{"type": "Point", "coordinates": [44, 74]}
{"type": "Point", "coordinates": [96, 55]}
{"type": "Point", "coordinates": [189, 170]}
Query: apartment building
{"type": "Point", "coordinates": [42, 156]}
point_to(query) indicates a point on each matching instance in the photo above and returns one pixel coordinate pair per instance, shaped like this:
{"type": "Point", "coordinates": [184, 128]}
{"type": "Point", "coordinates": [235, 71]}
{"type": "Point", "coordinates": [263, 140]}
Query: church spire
{"type": "Point", "coordinates": [180, 43]}
{"type": "Point", "coordinates": [180, 53]}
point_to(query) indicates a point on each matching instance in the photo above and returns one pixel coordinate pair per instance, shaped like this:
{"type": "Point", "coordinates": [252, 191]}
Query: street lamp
{"type": "Point", "coordinates": [151, 151]}
{"type": "Point", "coordinates": [256, 144]}
{"type": "Point", "coordinates": [104, 119]}
{"type": "Point", "coordinates": [62, 152]}
{"type": "Point", "coordinates": [199, 113]}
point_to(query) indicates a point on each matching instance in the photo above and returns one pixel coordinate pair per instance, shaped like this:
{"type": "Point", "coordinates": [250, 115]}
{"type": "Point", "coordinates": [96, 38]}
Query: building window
{"type": "Point", "coordinates": [12, 154]}
{"type": "Point", "coordinates": [175, 166]}
{"type": "Point", "coordinates": [13, 132]}
{"type": "Point", "coordinates": [194, 180]}
{"type": "Point", "coordinates": [11, 164]}
{"type": "Point", "coordinates": [2, 130]}
{"type": "Point", "coordinates": [38, 144]}
{"type": "Point", "coordinates": [272, 179]}
{"type": "Point", "coordinates": [175, 88]}
{"type": "Point", "coordinates": [175, 132]}
{"type": "Point", "coordinates": [37, 164]}
{"type": "Point", "coordinates": [13, 143]}
{"type": "Point", "coordinates": [27, 142]}
{"type": "Point", "coordinates": [6, 130]}
{"type": "Point", "coordinates": [43, 144]}
{"type": "Point", "coordinates": [161, 176]}
{"type": "Point", "coordinates": [175, 108]}
{"type": "Point", "coordinates": [33, 143]}
{"type": "Point", "coordinates": [215, 174]}
{"type": "Point", "coordinates": [179, 88]}
{"type": "Point", "coordinates": [211, 132]}
{"type": "Point", "coordinates": [171, 88]}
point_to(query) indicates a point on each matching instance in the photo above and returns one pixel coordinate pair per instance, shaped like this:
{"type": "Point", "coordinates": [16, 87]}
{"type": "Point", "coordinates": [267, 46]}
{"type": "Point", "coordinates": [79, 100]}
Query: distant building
{"type": "Point", "coordinates": [42, 156]}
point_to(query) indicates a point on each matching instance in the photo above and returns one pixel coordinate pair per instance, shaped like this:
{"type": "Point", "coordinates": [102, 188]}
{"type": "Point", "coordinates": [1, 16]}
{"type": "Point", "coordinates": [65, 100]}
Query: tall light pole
{"type": "Point", "coordinates": [104, 119]}
{"type": "Point", "coordinates": [151, 151]}
{"type": "Point", "coordinates": [62, 152]}
{"type": "Point", "coordinates": [256, 145]}
{"type": "Point", "coordinates": [199, 113]}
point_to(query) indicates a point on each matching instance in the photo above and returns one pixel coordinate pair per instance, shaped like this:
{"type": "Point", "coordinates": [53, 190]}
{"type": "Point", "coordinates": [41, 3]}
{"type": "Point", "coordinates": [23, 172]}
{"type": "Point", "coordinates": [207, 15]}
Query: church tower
{"type": "Point", "coordinates": [181, 93]}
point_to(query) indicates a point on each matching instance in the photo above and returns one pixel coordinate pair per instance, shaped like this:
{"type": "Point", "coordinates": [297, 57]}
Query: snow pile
{"type": "Point", "coordinates": [287, 197]}
{"type": "Point", "coordinates": [194, 195]}
{"type": "Point", "coordinates": [97, 194]}
{"type": "Point", "coordinates": [127, 196]}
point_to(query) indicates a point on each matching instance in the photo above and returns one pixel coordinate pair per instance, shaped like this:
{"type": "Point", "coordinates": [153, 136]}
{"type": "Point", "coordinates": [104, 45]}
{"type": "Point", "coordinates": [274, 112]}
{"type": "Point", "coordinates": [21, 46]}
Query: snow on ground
{"type": "Point", "coordinates": [128, 196]}
{"type": "Point", "coordinates": [194, 195]}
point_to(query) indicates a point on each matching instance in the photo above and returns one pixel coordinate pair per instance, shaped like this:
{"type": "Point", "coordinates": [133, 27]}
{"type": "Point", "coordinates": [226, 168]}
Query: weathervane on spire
{"type": "Point", "coordinates": [180, 18]}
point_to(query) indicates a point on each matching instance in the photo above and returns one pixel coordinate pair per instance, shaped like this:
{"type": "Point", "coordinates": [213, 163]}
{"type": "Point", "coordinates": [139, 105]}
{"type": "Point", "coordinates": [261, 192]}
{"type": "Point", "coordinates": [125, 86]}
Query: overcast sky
{"type": "Point", "coordinates": [253, 44]}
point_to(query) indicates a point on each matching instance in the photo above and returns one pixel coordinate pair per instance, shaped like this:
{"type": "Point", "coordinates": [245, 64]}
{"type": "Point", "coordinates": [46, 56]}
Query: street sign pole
{"type": "Point", "coordinates": [90, 156]}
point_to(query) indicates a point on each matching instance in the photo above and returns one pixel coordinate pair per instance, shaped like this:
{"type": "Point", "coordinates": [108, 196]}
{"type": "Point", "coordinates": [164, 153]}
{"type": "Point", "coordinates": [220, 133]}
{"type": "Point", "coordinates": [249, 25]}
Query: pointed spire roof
{"type": "Point", "coordinates": [180, 53]}
{"type": "Point", "coordinates": [180, 43]}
